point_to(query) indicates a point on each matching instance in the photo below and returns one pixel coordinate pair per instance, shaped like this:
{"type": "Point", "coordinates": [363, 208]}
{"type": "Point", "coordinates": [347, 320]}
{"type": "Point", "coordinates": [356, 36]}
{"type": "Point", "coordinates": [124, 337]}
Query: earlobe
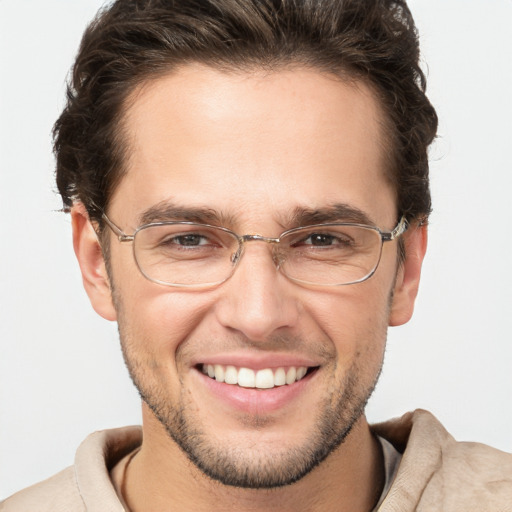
{"type": "Point", "coordinates": [408, 277]}
{"type": "Point", "coordinates": [92, 264]}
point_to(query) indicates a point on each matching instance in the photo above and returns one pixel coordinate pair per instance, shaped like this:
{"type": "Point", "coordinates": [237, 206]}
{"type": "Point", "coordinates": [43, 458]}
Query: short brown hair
{"type": "Point", "coordinates": [134, 40]}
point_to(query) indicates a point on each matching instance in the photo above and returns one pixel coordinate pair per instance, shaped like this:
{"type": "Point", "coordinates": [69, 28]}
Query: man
{"type": "Point", "coordinates": [248, 185]}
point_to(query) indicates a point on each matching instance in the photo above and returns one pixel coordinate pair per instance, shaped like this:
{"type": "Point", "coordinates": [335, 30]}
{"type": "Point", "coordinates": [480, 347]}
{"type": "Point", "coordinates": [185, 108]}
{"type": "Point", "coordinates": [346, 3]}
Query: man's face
{"type": "Point", "coordinates": [253, 149]}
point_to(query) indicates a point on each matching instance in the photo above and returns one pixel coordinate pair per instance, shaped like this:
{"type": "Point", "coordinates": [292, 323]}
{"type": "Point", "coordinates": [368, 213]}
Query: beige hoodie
{"type": "Point", "coordinates": [436, 473]}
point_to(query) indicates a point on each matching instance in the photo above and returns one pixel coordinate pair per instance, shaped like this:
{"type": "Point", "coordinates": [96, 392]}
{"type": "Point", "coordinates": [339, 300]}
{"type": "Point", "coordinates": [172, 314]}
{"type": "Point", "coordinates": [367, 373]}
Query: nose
{"type": "Point", "coordinates": [258, 301]}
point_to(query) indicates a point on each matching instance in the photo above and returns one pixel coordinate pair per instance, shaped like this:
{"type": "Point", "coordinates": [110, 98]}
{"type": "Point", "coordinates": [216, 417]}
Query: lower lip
{"type": "Point", "coordinates": [256, 401]}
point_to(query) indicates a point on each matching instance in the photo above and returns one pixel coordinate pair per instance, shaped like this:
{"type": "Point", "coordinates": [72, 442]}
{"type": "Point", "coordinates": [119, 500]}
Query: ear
{"type": "Point", "coordinates": [92, 264]}
{"type": "Point", "coordinates": [408, 277]}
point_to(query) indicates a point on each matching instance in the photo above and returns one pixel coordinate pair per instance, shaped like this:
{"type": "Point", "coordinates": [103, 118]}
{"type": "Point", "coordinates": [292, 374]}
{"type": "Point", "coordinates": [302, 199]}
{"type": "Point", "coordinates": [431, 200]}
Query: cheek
{"type": "Point", "coordinates": [155, 320]}
{"type": "Point", "coordinates": [355, 319]}
{"type": "Point", "coordinates": [152, 315]}
{"type": "Point", "coordinates": [153, 325]}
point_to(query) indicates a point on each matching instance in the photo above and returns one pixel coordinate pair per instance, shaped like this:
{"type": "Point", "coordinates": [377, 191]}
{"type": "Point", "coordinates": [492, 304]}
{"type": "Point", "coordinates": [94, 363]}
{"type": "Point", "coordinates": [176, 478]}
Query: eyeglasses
{"type": "Point", "coordinates": [187, 254]}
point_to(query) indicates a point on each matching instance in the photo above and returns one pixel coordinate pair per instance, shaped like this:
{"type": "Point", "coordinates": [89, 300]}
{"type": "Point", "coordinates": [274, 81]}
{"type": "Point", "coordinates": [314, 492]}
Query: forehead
{"type": "Point", "coordinates": [250, 143]}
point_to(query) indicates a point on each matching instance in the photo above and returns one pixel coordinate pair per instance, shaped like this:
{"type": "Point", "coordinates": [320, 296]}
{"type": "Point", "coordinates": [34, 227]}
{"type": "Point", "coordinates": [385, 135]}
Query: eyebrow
{"type": "Point", "coordinates": [337, 212]}
{"type": "Point", "coordinates": [301, 216]}
{"type": "Point", "coordinates": [168, 211]}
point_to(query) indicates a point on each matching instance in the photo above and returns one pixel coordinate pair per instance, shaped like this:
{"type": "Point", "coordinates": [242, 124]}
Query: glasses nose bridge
{"type": "Point", "coordinates": [258, 238]}
{"type": "Point", "coordinates": [243, 239]}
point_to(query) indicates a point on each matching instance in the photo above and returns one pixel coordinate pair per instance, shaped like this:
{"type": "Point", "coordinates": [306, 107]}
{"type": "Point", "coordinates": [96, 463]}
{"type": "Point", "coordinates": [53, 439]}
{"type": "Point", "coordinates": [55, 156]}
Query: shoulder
{"type": "Point", "coordinates": [471, 475]}
{"type": "Point", "coordinates": [57, 494]}
{"type": "Point", "coordinates": [439, 473]}
{"type": "Point", "coordinates": [85, 486]}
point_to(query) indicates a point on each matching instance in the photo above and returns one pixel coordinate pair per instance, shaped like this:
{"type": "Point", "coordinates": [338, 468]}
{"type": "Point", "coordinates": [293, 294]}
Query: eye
{"type": "Point", "coordinates": [318, 239]}
{"type": "Point", "coordinates": [200, 242]}
{"type": "Point", "coordinates": [179, 238]}
{"type": "Point", "coordinates": [183, 243]}
{"type": "Point", "coordinates": [188, 240]}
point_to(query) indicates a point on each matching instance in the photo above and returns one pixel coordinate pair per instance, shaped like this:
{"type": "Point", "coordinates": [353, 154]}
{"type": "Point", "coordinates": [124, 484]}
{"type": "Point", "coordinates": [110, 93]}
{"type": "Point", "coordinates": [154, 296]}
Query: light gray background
{"type": "Point", "coordinates": [61, 373]}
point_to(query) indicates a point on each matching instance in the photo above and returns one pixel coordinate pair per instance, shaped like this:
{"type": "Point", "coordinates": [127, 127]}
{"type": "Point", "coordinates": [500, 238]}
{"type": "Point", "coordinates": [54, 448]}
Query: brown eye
{"type": "Point", "coordinates": [191, 240]}
{"type": "Point", "coordinates": [320, 240]}
{"type": "Point", "coordinates": [324, 240]}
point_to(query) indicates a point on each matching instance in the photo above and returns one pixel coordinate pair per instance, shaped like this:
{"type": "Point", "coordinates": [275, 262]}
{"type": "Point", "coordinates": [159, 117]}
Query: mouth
{"type": "Point", "coordinates": [265, 378]}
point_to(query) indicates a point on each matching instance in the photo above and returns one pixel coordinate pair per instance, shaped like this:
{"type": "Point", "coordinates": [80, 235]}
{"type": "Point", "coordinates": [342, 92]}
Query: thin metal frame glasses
{"type": "Point", "coordinates": [193, 255]}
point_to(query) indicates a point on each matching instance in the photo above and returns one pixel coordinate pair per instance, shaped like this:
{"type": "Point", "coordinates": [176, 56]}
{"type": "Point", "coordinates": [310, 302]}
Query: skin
{"type": "Point", "coordinates": [254, 147]}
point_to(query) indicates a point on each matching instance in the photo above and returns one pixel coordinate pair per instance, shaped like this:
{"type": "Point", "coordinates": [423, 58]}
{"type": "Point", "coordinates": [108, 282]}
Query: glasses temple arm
{"type": "Point", "coordinates": [123, 237]}
{"type": "Point", "coordinates": [400, 229]}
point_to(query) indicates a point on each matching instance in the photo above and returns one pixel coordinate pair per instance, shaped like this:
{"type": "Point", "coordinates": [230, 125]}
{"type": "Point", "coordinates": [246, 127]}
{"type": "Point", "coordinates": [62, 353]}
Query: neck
{"type": "Point", "coordinates": [160, 477]}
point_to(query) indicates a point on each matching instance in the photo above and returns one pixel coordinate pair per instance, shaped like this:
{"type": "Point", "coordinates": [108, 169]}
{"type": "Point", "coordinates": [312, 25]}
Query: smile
{"type": "Point", "coordinates": [265, 378]}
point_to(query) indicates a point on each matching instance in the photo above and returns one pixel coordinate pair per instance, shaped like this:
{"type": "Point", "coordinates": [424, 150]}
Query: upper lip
{"type": "Point", "coordinates": [257, 362]}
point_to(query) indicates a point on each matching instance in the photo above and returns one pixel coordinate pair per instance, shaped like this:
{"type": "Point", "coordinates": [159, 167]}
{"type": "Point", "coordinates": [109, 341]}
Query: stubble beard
{"type": "Point", "coordinates": [338, 414]}
{"type": "Point", "coordinates": [253, 468]}
{"type": "Point", "coordinates": [340, 410]}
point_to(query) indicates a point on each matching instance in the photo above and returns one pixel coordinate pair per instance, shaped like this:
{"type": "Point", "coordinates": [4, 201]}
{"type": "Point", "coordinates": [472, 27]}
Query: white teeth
{"type": "Point", "coordinates": [291, 375]}
{"type": "Point", "coordinates": [247, 378]}
{"type": "Point", "coordinates": [301, 372]}
{"type": "Point", "coordinates": [265, 379]}
{"type": "Point", "coordinates": [280, 377]}
{"type": "Point", "coordinates": [219, 373]}
{"type": "Point", "coordinates": [231, 375]}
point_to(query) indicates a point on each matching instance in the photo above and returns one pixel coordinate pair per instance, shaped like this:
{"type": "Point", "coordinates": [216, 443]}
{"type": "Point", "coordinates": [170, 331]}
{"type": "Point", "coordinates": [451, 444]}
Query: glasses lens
{"type": "Point", "coordinates": [331, 254]}
{"type": "Point", "coordinates": [185, 253]}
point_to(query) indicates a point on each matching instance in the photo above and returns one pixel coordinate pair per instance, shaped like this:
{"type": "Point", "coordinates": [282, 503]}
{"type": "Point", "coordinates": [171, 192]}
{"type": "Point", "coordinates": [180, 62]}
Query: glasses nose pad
{"type": "Point", "coordinates": [235, 257]}
{"type": "Point", "coordinates": [278, 256]}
